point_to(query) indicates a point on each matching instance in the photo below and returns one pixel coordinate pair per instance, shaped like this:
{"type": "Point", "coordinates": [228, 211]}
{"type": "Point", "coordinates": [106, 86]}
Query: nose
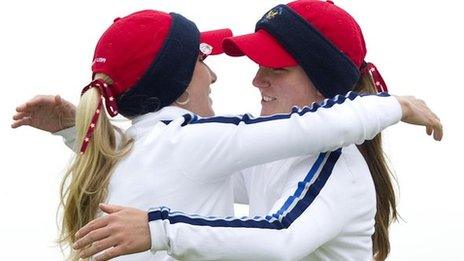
{"type": "Point", "coordinates": [211, 73]}
{"type": "Point", "coordinates": [261, 79]}
{"type": "Point", "coordinates": [213, 76]}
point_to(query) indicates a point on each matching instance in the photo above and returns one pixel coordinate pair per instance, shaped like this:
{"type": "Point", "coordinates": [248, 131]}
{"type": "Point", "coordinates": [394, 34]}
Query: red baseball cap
{"type": "Point", "coordinates": [332, 22]}
{"type": "Point", "coordinates": [260, 47]}
{"type": "Point", "coordinates": [131, 45]}
{"type": "Point", "coordinates": [150, 57]}
{"type": "Point", "coordinates": [319, 36]}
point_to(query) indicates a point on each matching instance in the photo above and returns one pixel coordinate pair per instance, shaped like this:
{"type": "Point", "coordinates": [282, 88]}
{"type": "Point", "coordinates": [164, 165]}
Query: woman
{"type": "Point", "coordinates": [181, 159]}
{"type": "Point", "coordinates": [326, 218]}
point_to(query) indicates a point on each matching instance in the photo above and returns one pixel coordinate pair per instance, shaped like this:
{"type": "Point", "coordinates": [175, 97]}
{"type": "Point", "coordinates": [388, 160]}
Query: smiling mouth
{"type": "Point", "coordinates": [265, 98]}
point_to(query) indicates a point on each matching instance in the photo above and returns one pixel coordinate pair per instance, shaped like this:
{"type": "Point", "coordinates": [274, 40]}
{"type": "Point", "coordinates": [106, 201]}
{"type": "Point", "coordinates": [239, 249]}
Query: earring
{"type": "Point", "coordinates": [187, 100]}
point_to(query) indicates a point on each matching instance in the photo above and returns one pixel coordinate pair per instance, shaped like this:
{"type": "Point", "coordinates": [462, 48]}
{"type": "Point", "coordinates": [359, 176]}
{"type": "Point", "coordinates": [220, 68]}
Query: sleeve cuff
{"type": "Point", "coordinates": [67, 134]}
{"type": "Point", "coordinates": [394, 106]}
{"type": "Point", "coordinates": [158, 235]}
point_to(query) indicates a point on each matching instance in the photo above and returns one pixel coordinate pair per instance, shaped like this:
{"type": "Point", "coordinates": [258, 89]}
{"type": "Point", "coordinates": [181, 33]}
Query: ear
{"type": "Point", "coordinates": [183, 100]}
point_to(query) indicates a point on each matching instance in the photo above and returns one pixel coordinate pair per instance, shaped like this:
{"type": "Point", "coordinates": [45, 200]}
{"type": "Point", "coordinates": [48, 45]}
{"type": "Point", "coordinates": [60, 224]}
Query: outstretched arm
{"type": "Point", "coordinates": [219, 146]}
{"type": "Point", "coordinates": [336, 123]}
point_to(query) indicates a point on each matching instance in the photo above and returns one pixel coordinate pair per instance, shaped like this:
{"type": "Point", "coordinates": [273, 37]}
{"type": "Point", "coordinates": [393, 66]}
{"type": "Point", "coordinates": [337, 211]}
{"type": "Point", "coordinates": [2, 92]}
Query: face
{"type": "Point", "coordinates": [199, 90]}
{"type": "Point", "coordinates": [283, 88]}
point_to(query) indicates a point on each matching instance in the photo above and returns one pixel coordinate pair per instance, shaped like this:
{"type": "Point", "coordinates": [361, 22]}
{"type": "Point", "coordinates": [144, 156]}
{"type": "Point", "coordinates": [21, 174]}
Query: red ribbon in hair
{"type": "Point", "coordinates": [110, 103]}
{"type": "Point", "coordinates": [376, 78]}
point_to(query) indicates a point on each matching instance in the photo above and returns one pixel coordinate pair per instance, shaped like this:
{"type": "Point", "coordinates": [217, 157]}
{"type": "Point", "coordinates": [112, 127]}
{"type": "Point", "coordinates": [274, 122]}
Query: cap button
{"type": "Point", "coordinates": [116, 19]}
{"type": "Point", "coordinates": [330, 2]}
{"type": "Point", "coordinates": [206, 48]}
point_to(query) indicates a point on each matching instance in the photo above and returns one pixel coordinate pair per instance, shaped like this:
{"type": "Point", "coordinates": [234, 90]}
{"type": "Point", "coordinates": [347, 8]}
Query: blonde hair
{"type": "Point", "coordinates": [85, 183]}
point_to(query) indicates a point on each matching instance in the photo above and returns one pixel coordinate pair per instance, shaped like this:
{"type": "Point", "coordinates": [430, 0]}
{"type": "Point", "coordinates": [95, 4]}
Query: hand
{"type": "Point", "coordinates": [123, 231]}
{"type": "Point", "coordinates": [416, 112]}
{"type": "Point", "coordinates": [46, 112]}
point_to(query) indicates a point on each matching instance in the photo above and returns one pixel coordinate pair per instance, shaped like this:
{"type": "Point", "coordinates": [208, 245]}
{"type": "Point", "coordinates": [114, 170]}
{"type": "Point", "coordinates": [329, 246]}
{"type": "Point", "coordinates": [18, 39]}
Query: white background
{"type": "Point", "coordinates": [46, 47]}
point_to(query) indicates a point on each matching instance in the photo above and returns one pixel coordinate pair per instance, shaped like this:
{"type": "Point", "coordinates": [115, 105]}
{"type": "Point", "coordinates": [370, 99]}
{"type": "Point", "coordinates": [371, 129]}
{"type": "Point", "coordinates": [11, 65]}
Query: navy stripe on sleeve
{"type": "Point", "coordinates": [248, 119]}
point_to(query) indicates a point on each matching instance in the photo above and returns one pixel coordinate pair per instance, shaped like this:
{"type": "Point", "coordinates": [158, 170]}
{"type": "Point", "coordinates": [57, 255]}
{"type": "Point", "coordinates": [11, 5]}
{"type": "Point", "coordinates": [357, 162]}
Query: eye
{"type": "Point", "coordinates": [279, 70]}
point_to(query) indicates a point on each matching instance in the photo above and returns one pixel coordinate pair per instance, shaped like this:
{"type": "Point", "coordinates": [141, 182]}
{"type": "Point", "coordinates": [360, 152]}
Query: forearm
{"type": "Point", "coordinates": [185, 242]}
{"type": "Point", "coordinates": [205, 242]}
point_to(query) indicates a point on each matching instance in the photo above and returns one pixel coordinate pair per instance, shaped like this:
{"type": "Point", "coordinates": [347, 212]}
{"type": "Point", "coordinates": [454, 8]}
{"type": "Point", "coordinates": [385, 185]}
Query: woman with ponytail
{"type": "Point", "coordinates": [177, 154]}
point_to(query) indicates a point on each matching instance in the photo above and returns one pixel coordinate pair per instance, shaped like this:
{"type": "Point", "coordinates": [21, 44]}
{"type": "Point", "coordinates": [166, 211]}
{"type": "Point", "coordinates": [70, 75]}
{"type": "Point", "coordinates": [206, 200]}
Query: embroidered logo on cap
{"type": "Point", "coordinates": [99, 60]}
{"type": "Point", "coordinates": [271, 14]}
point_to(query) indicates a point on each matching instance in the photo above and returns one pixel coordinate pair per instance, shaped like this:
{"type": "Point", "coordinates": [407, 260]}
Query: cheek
{"type": "Point", "coordinates": [201, 89]}
{"type": "Point", "coordinates": [289, 93]}
{"type": "Point", "coordinates": [297, 95]}
{"type": "Point", "coordinates": [201, 98]}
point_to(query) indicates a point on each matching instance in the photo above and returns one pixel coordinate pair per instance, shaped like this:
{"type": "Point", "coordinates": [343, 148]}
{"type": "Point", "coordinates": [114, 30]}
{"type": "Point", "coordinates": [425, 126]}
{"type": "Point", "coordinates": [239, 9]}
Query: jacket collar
{"type": "Point", "coordinates": [167, 113]}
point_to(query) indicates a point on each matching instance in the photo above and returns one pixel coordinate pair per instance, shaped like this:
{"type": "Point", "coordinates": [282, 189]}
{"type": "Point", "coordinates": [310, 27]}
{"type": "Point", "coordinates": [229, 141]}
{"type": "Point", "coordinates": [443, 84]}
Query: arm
{"type": "Point", "coordinates": [219, 146]}
{"type": "Point", "coordinates": [352, 121]}
{"type": "Point", "coordinates": [366, 120]}
{"type": "Point", "coordinates": [314, 213]}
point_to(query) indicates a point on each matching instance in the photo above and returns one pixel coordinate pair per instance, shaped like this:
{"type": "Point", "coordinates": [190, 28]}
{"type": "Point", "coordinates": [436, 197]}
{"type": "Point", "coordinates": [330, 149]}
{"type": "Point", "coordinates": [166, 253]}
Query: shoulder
{"type": "Point", "coordinates": [347, 171]}
{"type": "Point", "coordinates": [353, 161]}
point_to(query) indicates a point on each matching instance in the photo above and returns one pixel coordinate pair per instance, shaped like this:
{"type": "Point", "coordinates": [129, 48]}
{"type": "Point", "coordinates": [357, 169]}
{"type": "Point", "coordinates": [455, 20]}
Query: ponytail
{"type": "Point", "coordinates": [85, 183]}
{"type": "Point", "coordinates": [382, 177]}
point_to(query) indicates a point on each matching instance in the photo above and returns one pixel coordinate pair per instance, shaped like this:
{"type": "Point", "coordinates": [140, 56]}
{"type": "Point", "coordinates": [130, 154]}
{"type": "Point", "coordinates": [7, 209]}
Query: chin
{"type": "Point", "coordinates": [265, 112]}
{"type": "Point", "coordinates": [209, 113]}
